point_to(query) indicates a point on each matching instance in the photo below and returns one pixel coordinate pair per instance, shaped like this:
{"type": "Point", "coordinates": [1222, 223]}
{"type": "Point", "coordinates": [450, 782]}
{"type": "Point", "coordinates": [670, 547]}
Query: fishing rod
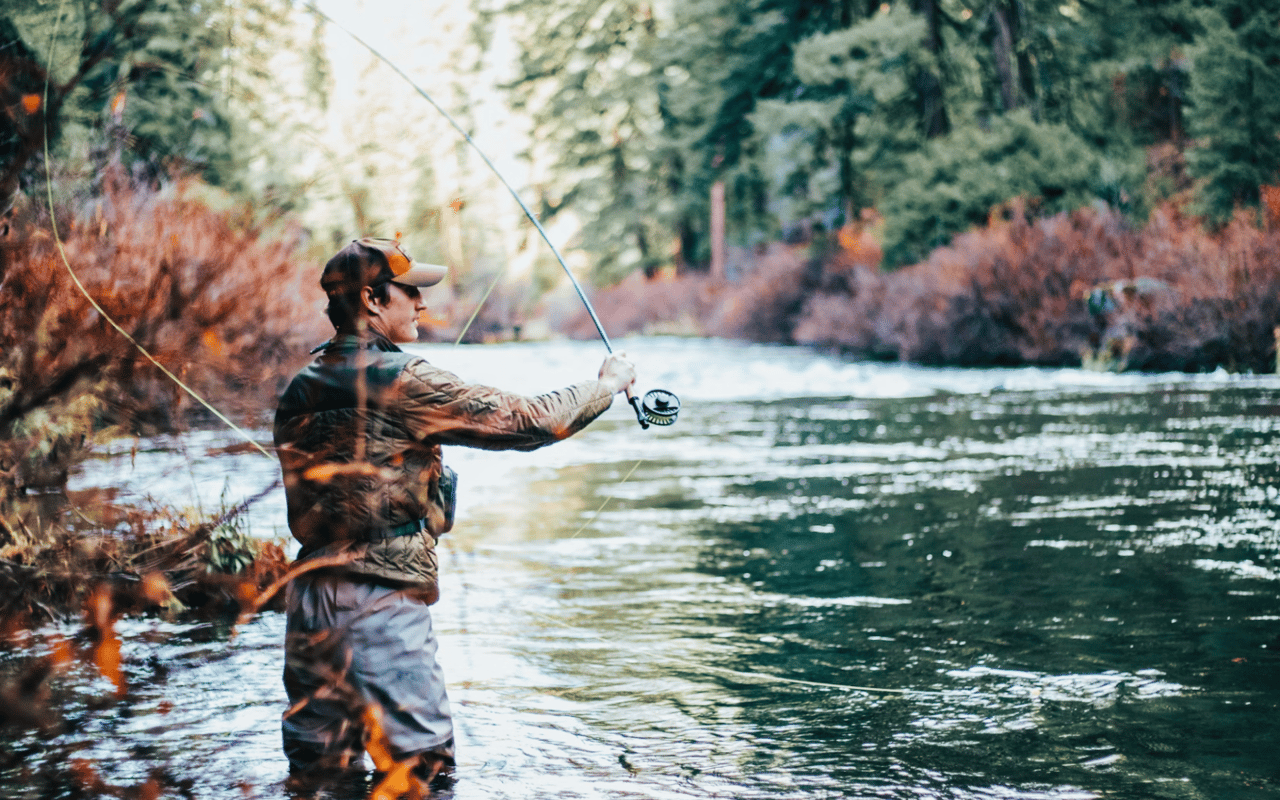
{"type": "Point", "coordinates": [658, 406]}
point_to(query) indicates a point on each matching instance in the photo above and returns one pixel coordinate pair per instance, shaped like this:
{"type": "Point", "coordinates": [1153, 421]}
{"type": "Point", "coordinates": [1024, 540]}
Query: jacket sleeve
{"type": "Point", "coordinates": [441, 407]}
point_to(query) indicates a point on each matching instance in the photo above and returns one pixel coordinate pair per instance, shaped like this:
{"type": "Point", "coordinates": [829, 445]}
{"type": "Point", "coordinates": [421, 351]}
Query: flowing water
{"type": "Point", "coordinates": [827, 579]}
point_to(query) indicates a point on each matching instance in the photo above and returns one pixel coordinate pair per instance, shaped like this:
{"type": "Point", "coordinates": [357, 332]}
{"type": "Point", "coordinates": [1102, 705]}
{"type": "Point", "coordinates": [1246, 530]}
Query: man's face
{"type": "Point", "coordinates": [397, 318]}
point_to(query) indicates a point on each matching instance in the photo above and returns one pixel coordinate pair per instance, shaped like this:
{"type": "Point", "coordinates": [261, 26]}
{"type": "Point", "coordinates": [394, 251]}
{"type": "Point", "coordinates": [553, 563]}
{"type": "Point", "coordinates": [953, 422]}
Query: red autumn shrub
{"type": "Point", "coordinates": [1085, 286]}
{"type": "Point", "coordinates": [663, 304]}
{"type": "Point", "coordinates": [1022, 291]}
{"type": "Point", "coordinates": [764, 304]}
{"type": "Point", "coordinates": [1000, 296]}
{"type": "Point", "coordinates": [214, 298]}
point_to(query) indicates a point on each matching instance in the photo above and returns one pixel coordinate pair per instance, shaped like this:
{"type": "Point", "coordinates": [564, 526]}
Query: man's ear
{"type": "Point", "coordinates": [371, 305]}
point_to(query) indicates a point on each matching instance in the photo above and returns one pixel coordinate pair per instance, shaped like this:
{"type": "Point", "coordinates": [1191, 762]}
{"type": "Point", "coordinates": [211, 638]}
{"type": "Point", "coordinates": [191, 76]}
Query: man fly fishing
{"type": "Point", "coordinates": [359, 433]}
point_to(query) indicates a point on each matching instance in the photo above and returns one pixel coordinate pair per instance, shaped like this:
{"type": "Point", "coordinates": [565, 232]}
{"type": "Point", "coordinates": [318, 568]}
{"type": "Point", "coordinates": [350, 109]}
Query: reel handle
{"type": "Point", "coordinates": [659, 407]}
{"type": "Point", "coordinates": [635, 403]}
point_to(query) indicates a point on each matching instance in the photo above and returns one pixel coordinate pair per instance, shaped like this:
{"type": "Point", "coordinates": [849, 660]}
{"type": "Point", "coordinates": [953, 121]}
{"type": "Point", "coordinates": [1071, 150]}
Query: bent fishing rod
{"type": "Point", "coordinates": [658, 406]}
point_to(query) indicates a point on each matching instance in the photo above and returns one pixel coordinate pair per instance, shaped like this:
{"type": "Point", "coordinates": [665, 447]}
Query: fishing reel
{"type": "Point", "coordinates": [659, 407]}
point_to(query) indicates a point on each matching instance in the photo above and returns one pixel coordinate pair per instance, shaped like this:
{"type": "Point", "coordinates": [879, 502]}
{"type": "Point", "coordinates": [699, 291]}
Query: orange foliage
{"type": "Point", "coordinates": [1270, 206]}
{"type": "Point", "coordinates": [89, 783]}
{"type": "Point", "coordinates": [397, 776]}
{"type": "Point", "coordinates": [215, 298]}
{"type": "Point", "coordinates": [130, 560]}
{"type": "Point", "coordinates": [858, 244]}
{"type": "Point", "coordinates": [100, 619]}
{"type": "Point", "coordinates": [24, 701]}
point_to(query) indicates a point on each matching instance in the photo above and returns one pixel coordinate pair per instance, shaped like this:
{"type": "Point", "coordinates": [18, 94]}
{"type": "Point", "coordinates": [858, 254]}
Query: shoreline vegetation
{"type": "Point", "coordinates": [230, 308]}
{"type": "Point", "coordinates": [1130, 222]}
{"type": "Point", "coordinates": [215, 299]}
{"type": "Point", "coordinates": [1086, 288]}
{"type": "Point", "coordinates": [181, 291]}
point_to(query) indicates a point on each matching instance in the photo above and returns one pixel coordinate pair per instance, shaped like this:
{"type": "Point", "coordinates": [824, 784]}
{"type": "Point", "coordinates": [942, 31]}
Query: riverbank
{"type": "Point", "coordinates": [1086, 288]}
{"type": "Point", "coordinates": [130, 310]}
{"type": "Point", "coordinates": [86, 555]}
{"type": "Point", "coordinates": [229, 307]}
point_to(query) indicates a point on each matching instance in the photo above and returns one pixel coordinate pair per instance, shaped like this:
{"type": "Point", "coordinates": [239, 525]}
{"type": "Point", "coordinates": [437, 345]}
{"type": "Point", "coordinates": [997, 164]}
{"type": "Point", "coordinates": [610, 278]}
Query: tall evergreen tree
{"type": "Point", "coordinates": [857, 112]}
{"type": "Point", "coordinates": [159, 86]}
{"type": "Point", "coordinates": [734, 55]}
{"type": "Point", "coordinates": [142, 74]}
{"type": "Point", "coordinates": [928, 84]}
{"type": "Point", "coordinates": [587, 78]}
{"type": "Point", "coordinates": [1235, 110]}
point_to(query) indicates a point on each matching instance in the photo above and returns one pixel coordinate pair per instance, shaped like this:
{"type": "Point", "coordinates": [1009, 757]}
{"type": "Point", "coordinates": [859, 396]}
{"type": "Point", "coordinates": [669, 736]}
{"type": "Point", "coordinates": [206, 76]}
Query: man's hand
{"type": "Point", "coordinates": [617, 373]}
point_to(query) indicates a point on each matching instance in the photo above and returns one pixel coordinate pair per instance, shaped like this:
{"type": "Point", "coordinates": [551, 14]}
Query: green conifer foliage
{"type": "Point", "coordinates": [739, 57]}
{"type": "Point", "coordinates": [933, 112]}
{"type": "Point", "coordinates": [954, 182]}
{"type": "Point", "coordinates": [587, 78]}
{"type": "Point", "coordinates": [143, 74]}
{"type": "Point", "coordinates": [1235, 105]}
{"type": "Point", "coordinates": [857, 110]}
{"type": "Point", "coordinates": [163, 87]}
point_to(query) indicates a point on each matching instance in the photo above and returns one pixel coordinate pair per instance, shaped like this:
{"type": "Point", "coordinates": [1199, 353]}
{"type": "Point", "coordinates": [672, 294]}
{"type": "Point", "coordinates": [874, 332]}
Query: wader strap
{"type": "Point", "coordinates": [399, 530]}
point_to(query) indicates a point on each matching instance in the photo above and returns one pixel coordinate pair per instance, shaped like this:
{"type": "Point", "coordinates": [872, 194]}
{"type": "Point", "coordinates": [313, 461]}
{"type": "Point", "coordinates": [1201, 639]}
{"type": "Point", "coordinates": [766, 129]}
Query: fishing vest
{"type": "Point", "coordinates": [359, 434]}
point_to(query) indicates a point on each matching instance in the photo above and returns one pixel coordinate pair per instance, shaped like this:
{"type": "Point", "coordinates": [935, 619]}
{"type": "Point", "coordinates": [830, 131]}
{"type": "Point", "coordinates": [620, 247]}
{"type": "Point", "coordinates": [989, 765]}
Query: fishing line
{"type": "Point", "coordinates": [498, 173]}
{"type": "Point", "coordinates": [606, 500]}
{"type": "Point", "coordinates": [657, 407]}
{"type": "Point", "coordinates": [80, 286]}
{"type": "Point", "coordinates": [66, 262]}
{"type": "Point", "coordinates": [479, 306]}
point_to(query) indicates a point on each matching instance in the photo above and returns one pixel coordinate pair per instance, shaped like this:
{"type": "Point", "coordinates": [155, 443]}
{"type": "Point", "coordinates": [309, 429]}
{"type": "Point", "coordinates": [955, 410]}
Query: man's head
{"type": "Point", "coordinates": [374, 283]}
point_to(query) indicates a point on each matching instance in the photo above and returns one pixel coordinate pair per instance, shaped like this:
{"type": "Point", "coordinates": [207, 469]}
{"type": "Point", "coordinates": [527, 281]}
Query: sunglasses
{"type": "Point", "coordinates": [412, 291]}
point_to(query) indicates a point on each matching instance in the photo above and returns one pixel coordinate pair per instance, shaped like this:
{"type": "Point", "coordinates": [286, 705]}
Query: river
{"type": "Point", "coordinates": [827, 579]}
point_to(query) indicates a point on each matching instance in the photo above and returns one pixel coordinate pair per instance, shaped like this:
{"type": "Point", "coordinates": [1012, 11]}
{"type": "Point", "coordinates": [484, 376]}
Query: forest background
{"type": "Point", "coordinates": [952, 182]}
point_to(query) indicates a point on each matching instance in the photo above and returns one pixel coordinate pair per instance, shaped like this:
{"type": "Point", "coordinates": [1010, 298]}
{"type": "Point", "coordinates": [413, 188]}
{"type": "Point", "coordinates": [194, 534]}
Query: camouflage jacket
{"type": "Point", "coordinates": [359, 433]}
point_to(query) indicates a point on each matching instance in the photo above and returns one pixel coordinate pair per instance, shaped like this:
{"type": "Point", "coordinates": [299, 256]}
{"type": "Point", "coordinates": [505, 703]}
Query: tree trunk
{"type": "Point", "coordinates": [642, 244]}
{"type": "Point", "coordinates": [1177, 91]}
{"type": "Point", "coordinates": [718, 270]}
{"type": "Point", "coordinates": [848, 187]}
{"type": "Point", "coordinates": [1003, 50]}
{"type": "Point", "coordinates": [933, 111]}
{"type": "Point", "coordinates": [687, 247]}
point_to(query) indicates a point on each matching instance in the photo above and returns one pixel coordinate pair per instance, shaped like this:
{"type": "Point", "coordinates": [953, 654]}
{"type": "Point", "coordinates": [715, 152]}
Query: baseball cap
{"type": "Point", "coordinates": [371, 261]}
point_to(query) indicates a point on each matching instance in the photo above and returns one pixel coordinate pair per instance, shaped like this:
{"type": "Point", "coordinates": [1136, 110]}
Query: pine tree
{"type": "Point", "coordinates": [160, 87]}
{"type": "Point", "coordinates": [932, 111]}
{"type": "Point", "coordinates": [1235, 110]}
{"type": "Point", "coordinates": [857, 112]}
{"type": "Point", "coordinates": [586, 76]}
{"type": "Point", "coordinates": [733, 57]}
{"type": "Point", "coordinates": [141, 74]}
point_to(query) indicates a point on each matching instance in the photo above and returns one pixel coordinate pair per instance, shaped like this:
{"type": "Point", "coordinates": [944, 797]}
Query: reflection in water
{"type": "Point", "coordinates": [1050, 585]}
